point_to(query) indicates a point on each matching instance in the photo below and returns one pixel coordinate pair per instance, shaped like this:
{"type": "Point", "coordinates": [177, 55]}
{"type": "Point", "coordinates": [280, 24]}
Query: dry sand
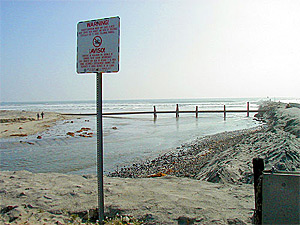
{"type": "Point", "coordinates": [51, 197]}
{"type": "Point", "coordinates": [225, 158]}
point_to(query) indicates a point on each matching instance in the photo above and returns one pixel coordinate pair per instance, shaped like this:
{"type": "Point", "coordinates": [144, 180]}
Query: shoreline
{"type": "Point", "coordinates": [16, 123]}
{"type": "Point", "coordinates": [207, 181]}
{"type": "Point", "coordinates": [227, 157]}
{"type": "Point", "coordinates": [66, 140]}
{"type": "Point", "coordinates": [186, 160]}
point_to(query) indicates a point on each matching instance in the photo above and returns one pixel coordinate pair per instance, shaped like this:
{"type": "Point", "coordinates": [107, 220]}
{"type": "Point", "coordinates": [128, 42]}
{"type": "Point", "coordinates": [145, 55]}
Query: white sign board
{"type": "Point", "coordinates": [98, 44]}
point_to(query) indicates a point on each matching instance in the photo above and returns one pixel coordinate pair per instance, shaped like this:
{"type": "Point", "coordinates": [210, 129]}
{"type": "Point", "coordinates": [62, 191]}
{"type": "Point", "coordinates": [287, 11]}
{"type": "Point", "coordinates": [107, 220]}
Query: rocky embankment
{"type": "Point", "coordinates": [227, 157]}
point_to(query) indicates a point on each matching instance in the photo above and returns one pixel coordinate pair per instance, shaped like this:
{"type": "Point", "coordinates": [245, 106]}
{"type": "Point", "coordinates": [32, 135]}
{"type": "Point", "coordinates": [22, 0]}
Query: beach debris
{"type": "Point", "coordinates": [86, 135]}
{"type": "Point", "coordinates": [87, 176]}
{"type": "Point", "coordinates": [123, 219]}
{"type": "Point", "coordinates": [235, 221]}
{"type": "Point", "coordinates": [73, 193]}
{"type": "Point", "coordinates": [18, 135]}
{"type": "Point", "coordinates": [185, 220]}
{"type": "Point", "coordinates": [47, 197]}
{"type": "Point", "coordinates": [86, 120]}
{"type": "Point", "coordinates": [30, 143]}
{"type": "Point", "coordinates": [22, 194]}
{"type": "Point", "coordinates": [83, 129]}
{"type": "Point", "coordinates": [15, 120]}
{"type": "Point", "coordinates": [72, 134]}
{"type": "Point", "coordinates": [29, 206]}
{"type": "Point", "coordinates": [5, 130]}
{"type": "Point", "coordinates": [8, 208]}
{"type": "Point", "coordinates": [90, 214]}
{"type": "Point", "coordinates": [71, 121]}
{"type": "Point", "coordinates": [126, 219]}
{"type": "Point", "coordinates": [112, 218]}
{"type": "Point", "coordinates": [11, 212]}
{"type": "Point", "coordinates": [169, 171]}
{"type": "Point", "coordinates": [39, 137]}
{"type": "Point", "coordinates": [20, 128]}
{"type": "Point", "coordinates": [159, 174]}
{"type": "Point", "coordinates": [114, 128]}
{"type": "Point", "coordinates": [148, 218]}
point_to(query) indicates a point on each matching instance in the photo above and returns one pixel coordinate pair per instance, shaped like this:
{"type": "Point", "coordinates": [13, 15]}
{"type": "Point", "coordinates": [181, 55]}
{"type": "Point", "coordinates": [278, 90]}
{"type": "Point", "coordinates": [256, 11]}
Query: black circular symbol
{"type": "Point", "coordinates": [97, 41]}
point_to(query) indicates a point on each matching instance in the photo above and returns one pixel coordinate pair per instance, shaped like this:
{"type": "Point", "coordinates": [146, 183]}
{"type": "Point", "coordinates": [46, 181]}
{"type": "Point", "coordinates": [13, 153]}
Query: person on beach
{"type": "Point", "coordinates": [42, 114]}
{"type": "Point", "coordinates": [38, 116]}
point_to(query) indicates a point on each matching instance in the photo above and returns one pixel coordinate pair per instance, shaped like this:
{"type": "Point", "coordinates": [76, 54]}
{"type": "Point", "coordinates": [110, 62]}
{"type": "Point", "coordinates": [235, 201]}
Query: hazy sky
{"type": "Point", "coordinates": [169, 49]}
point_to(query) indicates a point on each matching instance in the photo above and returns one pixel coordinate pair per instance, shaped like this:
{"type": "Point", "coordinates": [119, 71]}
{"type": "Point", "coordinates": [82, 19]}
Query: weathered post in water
{"type": "Point", "coordinates": [90, 61]}
{"type": "Point", "coordinates": [154, 112]}
{"type": "Point", "coordinates": [248, 109]}
{"type": "Point", "coordinates": [224, 112]}
{"type": "Point", "coordinates": [177, 110]}
{"type": "Point", "coordinates": [196, 111]}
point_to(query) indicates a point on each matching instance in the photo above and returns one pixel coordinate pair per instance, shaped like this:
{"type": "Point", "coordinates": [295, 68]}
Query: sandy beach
{"type": "Point", "coordinates": [51, 198]}
{"type": "Point", "coordinates": [208, 181]}
{"type": "Point", "coordinates": [24, 123]}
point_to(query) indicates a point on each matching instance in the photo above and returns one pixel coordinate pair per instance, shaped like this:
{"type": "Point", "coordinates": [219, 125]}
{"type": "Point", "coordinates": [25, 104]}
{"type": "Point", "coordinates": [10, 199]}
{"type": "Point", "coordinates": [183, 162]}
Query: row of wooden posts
{"type": "Point", "coordinates": [177, 112]}
{"type": "Point", "coordinates": [197, 111]}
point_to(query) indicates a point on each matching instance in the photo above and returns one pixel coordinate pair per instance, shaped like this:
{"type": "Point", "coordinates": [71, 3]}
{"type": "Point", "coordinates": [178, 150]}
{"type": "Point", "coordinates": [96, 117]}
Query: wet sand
{"type": "Point", "coordinates": [24, 123]}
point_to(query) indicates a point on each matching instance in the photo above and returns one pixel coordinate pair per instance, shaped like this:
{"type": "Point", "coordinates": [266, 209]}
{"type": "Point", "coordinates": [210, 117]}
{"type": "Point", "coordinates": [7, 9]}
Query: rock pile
{"type": "Point", "coordinates": [187, 160]}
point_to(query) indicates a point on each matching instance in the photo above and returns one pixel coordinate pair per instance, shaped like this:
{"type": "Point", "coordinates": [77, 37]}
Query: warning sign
{"type": "Point", "coordinates": [98, 44]}
{"type": "Point", "coordinates": [97, 41]}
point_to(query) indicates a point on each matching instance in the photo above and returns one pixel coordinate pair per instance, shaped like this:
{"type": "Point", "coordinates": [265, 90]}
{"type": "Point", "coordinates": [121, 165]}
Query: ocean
{"type": "Point", "coordinates": [128, 139]}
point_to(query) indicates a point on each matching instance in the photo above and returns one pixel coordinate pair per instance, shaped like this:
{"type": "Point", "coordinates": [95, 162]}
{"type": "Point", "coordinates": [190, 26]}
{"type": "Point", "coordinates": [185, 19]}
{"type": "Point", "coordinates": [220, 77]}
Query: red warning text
{"type": "Point", "coordinates": [98, 23]}
{"type": "Point", "coordinates": [97, 50]}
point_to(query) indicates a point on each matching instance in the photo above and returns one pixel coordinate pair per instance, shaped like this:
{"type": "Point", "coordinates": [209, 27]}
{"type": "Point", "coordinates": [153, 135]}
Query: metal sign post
{"type": "Point", "coordinates": [98, 47]}
{"type": "Point", "coordinates": [100, 148]}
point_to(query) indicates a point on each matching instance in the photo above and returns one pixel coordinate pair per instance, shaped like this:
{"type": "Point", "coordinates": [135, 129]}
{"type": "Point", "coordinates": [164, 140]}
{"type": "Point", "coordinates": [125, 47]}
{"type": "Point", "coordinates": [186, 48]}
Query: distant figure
{"type": "Point", "coordinates": [42, 114]}
{"type": "Point", "coordinates": [38, 116]}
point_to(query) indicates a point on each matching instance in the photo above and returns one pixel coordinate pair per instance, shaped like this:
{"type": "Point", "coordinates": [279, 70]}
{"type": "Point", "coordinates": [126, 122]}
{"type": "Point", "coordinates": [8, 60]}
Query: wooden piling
{"type": "Point", "coordinates": [154, 112]}
{"type": "Point", "coordinates": [196, 111]}
{"type": "Point", "coordinates": [248, 109]}
{"type": "Point", "coordinates": [258, 168]}
{"type": "Point", "coordinates": [224, 112]}
{"type": "Point", "coordinates": [177, 110]}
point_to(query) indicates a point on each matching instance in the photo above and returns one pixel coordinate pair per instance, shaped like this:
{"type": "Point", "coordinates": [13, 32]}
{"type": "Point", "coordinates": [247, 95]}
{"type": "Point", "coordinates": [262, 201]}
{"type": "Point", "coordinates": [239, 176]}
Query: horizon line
{"type": "Point", "coordinates": [141, 99]}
